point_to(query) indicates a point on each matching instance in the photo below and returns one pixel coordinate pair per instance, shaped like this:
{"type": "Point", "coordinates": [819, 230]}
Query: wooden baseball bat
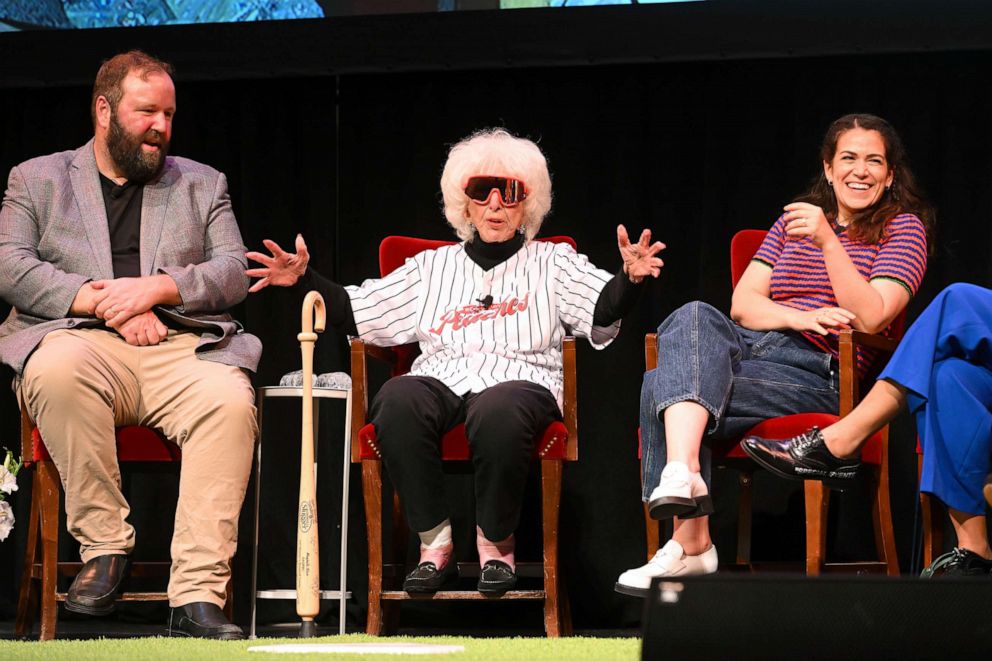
{"type": "Point", "coordinates": [307, 554]}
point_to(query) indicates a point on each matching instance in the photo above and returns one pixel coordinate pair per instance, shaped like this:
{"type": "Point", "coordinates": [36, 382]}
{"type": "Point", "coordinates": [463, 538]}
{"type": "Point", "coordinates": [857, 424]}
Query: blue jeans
{"type": "Point", "coordinates": [740, 376]}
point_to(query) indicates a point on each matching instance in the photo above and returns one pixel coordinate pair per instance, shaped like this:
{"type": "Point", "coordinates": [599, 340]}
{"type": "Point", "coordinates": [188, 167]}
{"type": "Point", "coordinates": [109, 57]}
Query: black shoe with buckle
{"type": "Point", "coordinates": [803, 457]}
{"type": "Point", "coordinates": [202, 619]}
{"type": "Point", "coordinates": [959, 563]}
{"type": "Point", "coordinates": [496, 577]}
{"type": "Point", "coordinates": [95, 587]}
{"type": "Point", "coordinates": [426, 578]}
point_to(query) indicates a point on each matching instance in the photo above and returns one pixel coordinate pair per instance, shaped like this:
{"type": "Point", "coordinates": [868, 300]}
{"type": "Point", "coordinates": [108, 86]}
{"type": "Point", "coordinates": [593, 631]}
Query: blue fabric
{"type": "Point", "coordinates": [740, 376]}
{"type": "Point", "coordinates": [945, 363]}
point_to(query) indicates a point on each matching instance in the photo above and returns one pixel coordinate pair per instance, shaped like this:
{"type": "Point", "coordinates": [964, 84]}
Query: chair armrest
{"type": "Point", "coordinates": [879, 342]}
{"type": "Point", "coordinates": [360, 351]}
{"type": "Point", "coordinates": [359, 392]}
{"type": "Point", "coordinates": [651, 351]}
{"type": "Point", "coordinates": [384, 354]}
{"type": "Point", "coordinates": [848, 343]}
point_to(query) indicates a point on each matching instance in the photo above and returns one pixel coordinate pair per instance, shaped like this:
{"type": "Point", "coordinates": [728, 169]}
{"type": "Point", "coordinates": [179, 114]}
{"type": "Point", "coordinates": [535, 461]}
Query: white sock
{"type": "Point", "coordinates": [436, 545]}
{"type": "Point", "coordinates": [437, 537]}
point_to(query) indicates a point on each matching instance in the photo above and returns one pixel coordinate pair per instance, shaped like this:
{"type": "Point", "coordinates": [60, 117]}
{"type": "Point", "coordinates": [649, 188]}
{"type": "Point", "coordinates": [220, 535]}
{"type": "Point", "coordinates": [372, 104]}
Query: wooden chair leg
{"type": "Point", "coordinates": [652, 529]}
{"type": "Point", "coordinates": [47, 481]}
{"type": "Point", "coordinates": [551, 471]}
{"type": "Point", "coordinates": [372, 491]}
{"type": "Point", "coordinates": [745, 482]}
{"type": "Point", "coordinates": [817, 504]}
{"type": "Point", "coordinates": [881, 511]}
{"type": "Point", "coordinates": [27, 599]}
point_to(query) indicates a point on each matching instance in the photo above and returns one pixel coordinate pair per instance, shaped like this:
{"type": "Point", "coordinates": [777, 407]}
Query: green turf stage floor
{"type": "Point", "coordinates": [476, 649]}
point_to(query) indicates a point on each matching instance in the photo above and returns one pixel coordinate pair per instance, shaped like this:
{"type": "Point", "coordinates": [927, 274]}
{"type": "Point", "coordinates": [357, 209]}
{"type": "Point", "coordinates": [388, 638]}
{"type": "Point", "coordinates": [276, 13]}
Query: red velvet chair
{"type": "Point", "coordinates": [41, 566]}
{"type": "Point", "coordinates": [875, 453]}
{"type": "Point", "coordinates": [558, 443]}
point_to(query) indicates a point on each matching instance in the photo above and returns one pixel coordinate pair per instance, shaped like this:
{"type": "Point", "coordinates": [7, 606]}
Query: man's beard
{"type": "Point", "coordinates": [132, 161]}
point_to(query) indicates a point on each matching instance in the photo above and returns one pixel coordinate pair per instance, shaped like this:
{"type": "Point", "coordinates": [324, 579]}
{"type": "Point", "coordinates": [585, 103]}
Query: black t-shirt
{"type": "Point", "coordinates": [123, 204]}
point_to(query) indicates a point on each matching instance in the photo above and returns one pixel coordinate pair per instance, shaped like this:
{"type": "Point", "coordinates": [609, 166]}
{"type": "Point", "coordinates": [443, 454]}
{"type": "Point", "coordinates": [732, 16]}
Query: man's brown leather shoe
{"type": "Point", "coordinates": [202, 619]}
{"type": "Point", "coordinates": [97, 584]}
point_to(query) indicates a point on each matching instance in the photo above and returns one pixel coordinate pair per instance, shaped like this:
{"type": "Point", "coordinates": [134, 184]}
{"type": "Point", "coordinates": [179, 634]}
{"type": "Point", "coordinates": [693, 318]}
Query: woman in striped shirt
{"type": "Point", "coordinates": [848, 253]}
{"type": "Point", "coordinates": [489, 314]}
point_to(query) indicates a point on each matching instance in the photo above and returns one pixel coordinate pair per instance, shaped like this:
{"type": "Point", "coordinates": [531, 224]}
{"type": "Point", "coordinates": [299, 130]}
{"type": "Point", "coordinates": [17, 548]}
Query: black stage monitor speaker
{"type": "Point", "coordinates": [794, 617]}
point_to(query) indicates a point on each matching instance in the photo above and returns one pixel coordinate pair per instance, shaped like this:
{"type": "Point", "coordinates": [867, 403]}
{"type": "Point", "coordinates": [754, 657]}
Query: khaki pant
{"type": "Point", "coordinates": [81, 384]}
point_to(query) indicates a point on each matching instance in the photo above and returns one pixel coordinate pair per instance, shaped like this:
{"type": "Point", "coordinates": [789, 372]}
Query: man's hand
{"type": "Point", "coordinates": [123, 298]}
{"type": "Point", "coordinates": [144, 329]}
{"type": "Point", "coordinates": [84, 304]}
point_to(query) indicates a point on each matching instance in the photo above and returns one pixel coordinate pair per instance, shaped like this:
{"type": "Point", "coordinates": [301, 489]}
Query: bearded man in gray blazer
{"type": "Point", "coordinates": [119, 262]}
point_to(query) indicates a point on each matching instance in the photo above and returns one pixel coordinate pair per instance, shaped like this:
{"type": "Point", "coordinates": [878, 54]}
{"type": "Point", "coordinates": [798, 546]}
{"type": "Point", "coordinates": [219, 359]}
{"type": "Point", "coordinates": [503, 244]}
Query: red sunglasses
{"type": "Point", "coordinates": [511, 191]}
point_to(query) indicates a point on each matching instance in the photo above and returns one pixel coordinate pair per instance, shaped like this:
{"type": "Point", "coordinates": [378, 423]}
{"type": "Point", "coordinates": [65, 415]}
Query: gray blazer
{"type": "Point", "coordinates": [54, 238]}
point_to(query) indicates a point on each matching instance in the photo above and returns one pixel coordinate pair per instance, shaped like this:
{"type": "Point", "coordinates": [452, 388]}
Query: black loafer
{"type": "Point", "coordinates": [202, 619]}
{"type": "Point", "coordinates": [959, 563]}
{"type": "Point", "coordinates": [96, 586]}
{"type": "Point", "coordinates": [803, 457]}
{"type": "Point", "coordinates": [426, 578]}
{"type": "Point", "coordinates": [496, 577]}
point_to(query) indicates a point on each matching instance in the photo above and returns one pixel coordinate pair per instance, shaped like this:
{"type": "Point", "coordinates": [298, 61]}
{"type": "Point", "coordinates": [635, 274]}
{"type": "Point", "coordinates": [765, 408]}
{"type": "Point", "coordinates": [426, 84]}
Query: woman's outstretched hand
{"type": "Point", "coordinates": [280, 268]}
{"type": "Point", "coordinates": [639, 259]}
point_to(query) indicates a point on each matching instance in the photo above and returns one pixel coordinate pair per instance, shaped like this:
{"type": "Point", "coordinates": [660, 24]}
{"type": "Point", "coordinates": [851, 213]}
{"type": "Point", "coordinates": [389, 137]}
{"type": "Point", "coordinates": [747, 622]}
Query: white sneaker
{"type": "Point", "coordinates": [680, 493]}
{"type": "Point", "coordinates": [669, 561]}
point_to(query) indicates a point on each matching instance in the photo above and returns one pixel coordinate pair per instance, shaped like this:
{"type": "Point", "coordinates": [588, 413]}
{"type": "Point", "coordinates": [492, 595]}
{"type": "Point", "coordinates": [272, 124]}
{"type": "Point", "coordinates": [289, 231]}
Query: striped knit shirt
{"type": "Point", "coordinates": [478, 328]}
{"type": "Point", "coordinates": [799, 274]}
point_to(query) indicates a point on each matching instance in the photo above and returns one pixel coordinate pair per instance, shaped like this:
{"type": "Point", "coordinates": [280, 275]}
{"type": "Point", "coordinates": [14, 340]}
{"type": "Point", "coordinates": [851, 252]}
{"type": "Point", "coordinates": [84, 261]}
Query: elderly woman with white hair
{"type": "Point", "coordinates": [489, 314]}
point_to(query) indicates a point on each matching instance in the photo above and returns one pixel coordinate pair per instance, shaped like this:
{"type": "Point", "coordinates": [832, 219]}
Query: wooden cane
{"type": "Point", "coordinates": [307, 554]}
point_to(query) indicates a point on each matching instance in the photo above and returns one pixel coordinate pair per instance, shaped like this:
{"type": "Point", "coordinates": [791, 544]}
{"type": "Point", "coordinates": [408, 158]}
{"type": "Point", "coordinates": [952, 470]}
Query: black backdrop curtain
{"type": "Point", "coordinates": [695, 151]}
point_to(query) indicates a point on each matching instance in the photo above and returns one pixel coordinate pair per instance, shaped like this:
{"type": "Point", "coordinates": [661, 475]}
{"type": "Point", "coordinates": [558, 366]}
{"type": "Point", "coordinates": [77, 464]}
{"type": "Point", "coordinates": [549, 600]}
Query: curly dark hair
{"type": "Point", "coordinates": [110, 78]}
{"type": "Point", "coordinates": [903, 196]}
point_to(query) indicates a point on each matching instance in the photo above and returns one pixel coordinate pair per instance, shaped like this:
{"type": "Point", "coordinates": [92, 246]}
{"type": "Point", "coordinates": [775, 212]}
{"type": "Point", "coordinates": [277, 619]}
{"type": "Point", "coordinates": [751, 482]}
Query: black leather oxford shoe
{"type": "Point", "coordinates": [803, 457]}
{"type": "Point", "coordinates": [959, 563]}
{"type": "Point", "coordinates": [427, 578]}
{"type": "Point", "coordinates": [96, 585]}
{"type": "Point", "coordinates": [496, 577]}
{"type": "Point", "coordinates": [202, 619]}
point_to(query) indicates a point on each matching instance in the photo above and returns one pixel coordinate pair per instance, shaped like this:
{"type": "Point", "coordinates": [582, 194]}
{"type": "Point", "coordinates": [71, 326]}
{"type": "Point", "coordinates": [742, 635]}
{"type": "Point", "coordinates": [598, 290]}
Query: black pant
{"type": "Point", "coordinates": [411, 413]}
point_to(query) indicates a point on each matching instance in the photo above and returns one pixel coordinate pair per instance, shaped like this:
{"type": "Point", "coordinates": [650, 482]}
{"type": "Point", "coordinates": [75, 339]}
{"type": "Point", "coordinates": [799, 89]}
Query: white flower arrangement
{"type": "Point", "coordinates": [8, 485]}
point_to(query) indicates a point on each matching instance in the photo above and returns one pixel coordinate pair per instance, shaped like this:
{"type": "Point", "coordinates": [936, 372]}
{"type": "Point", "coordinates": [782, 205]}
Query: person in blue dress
{"type": "Point", "coordinates": [942, 370]}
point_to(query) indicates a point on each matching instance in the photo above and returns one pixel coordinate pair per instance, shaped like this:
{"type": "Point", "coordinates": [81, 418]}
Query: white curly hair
{"type": "Point", "coordinates": [495, 152]}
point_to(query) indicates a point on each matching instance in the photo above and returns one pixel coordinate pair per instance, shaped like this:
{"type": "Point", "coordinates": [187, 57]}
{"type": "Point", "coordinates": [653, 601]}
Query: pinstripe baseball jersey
{"type": "Point", "coordinates": [478, 328]}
